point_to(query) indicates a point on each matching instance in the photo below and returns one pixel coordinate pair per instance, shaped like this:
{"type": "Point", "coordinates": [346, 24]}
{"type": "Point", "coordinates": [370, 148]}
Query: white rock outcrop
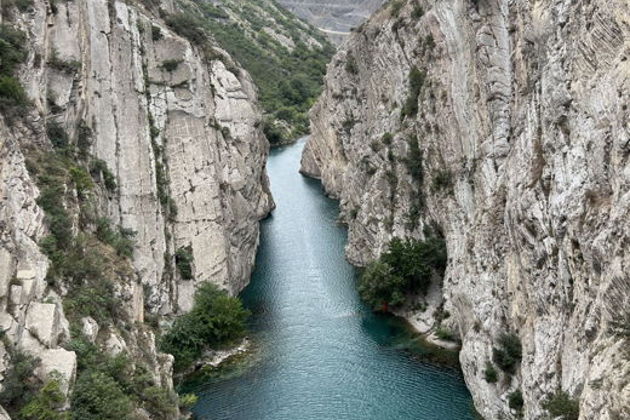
{"type": "Point", "coordinates": [523, 130]}
{"type": "Point", "coordinates": [187, 153]}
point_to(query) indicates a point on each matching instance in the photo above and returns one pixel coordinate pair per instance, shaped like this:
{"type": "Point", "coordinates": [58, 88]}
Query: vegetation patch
{"type": "Point", "coordinates": [416, 81]}
{"type": "Point", "coordinates": [407, 267]}
{"type": "Point", "coordinates": [289, 81]}
{"type": "Point", "coordinates": [395, 8]}
{"type": "Point", "coordinates": [184, 262]}
{"type": "Point", "coordinates": [13, 99]}
{"type": "Point", "coordinates": [351, 65]}
{"type": "Point", "coordinates": [216, 320]}
{"type": "Point", "coordinates": [20, 384]}
{"type": "Point", "coordinates": [507, 355]}
{"type": "Point", "coordinates": [490, 374]}
{"type": "Point", "coordinates": [65, 66]}
{"type": "Point", "coordinates": [562, 405]}
{"type": "Point", "coordinates": [443, 181]}
{"type": "Point", "coordinates": [515, 401]}
{"type": "Point", "coordinates": [171, 65]}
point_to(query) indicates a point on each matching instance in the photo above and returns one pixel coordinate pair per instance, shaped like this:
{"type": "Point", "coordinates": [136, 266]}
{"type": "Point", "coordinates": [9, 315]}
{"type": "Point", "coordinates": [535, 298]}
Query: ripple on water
{"type": "Point", "coordinates": [321, 354]}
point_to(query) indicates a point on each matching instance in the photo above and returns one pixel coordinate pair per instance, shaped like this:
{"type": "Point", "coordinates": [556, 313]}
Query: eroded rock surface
{"type": "Point", "coordinates": [522, 127]}
{"type": "Point", "coordinates": [179, 131]}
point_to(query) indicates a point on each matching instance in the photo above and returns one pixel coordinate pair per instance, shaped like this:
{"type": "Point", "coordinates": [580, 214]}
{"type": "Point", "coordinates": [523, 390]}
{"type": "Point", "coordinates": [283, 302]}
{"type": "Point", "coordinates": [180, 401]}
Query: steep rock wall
{"type": "Point", "coordinates": [181, 134]}
{"type": "Point", "coordinates": [522, 125]}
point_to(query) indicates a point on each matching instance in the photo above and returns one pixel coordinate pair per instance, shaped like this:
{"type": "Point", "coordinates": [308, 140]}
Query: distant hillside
{"type": "Point", "coordinates": [285, 56]}
{"type": "Point", "coordinates": [334, 17]}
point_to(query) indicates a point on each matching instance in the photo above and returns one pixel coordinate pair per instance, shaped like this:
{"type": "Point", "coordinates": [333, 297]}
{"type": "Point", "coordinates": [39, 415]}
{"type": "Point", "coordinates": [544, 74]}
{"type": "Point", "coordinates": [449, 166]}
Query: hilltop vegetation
{"type": "Point", "coordinates": [286, 57]}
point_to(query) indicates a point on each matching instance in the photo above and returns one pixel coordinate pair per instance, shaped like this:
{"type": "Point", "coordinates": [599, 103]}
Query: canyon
{"type": "Point", "coordinates": [133, 156]}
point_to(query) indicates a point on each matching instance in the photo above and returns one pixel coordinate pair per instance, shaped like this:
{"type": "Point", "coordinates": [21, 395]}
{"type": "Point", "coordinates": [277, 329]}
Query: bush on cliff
{"type": "Point", "coordinates": [97, 396]}
{"type": "Point", "coordinates": [407, 267]}
{"type": "Point", "coordinates": [215, 320]}
{"type": "Point", "coordinates": [416, 81]}
{"type": "Point", "coordinates": [562, 405]}
{"type": "Point", "coordinates": [508, 353]}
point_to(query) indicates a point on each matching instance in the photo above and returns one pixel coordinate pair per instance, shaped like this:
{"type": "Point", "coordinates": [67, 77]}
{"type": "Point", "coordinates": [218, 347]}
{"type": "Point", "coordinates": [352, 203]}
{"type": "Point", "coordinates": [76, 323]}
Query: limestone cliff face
{"type": "Point", "coordinates": [520, 111]}
{"type": "Point", "coordinates": [180, 133]}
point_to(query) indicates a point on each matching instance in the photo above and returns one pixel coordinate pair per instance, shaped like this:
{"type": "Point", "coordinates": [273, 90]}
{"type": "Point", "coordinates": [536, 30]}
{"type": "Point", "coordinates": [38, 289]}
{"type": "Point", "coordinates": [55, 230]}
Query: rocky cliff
{"type": "Point", "coordinates": [169, 131]}
{"type": "Point", "coordinates": [506, 124]}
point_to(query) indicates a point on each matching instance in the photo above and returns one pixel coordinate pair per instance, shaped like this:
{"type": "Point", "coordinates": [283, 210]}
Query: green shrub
{"type": "Point", "coordinates": [417, 12]}
{"type": "Point", "coordinates": [380, 287]}
{"type": "Point", "coordinates": [184, 261]}
{"type": "Point", "coordinates": [396, 6]}
{"type": "Point", "coordinates": [156, 33]}
{"type": "Point", "coordinates": [405, 268]}
{"type": "Point", "coordinates": [12, 49]}
{"type": "Point", "coordinates": [213, 11]}
{"type": "Point", "coordinates": [19, 384]}
{"type": "Point", "coordinates": [351, 65]}
{"type": "Point", "coordinates": [187, 26]}
{"type": "Point", "coordinates": [509, 352]}
{"type": "Point", "coordinates": [387, 138]}
{"type": "Point", "coordinates": [515, 400]}
{"type": "Point", "coordinates": [187, 401]}
{"type": "Point", "coordinates": [159, 402]}
{"type": "Point", "coordinates": [490, 373]}
{"type": "Point", "coordinates": [56, 134]}
{"type": "Point", "coordinates": [171, 65]}
{"type": "Point", "coordinates": [46, 404]}
{"type": "Point", "coordinates": [13, 98]}
{"type": "Point", "coordinates": [100, 170]}
{"type": "Point", "coordinates": [562, 405]}
{"type": "Point", "coordinates": [121, 239]}
{"type": "Point", "coordinates": [443, 181]}
{"type": "Point", "coordinates": [444, 334]}
{"type": "Point", "coordinates": [65, 66]}
{"type": "Point", "coordinates": [82, 180]}
{"type": "Point", "coordinates": [414, 160]}
{"type": "Point", "coordinates": [97, 396]}
{"type": "Point", "coordinates": [11, 92]}
{"type": "Point", "coordinates": [274, 133]}
{"type": "Point", "coordinates": [216, 319]}
{"type": "Point", "coordinates": [84, 139]}
{"type": "Point", "coordinates": [51, 199]}
{"type": "Point", "coordinates": [416, 81]}
{"type": "Point", "coordinates": [21, 5]}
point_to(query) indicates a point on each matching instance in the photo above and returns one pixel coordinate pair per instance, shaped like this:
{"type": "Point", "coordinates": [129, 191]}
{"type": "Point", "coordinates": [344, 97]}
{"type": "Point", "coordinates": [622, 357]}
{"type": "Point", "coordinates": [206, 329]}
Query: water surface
{"type": "Point", "coordinates": [321, 354]}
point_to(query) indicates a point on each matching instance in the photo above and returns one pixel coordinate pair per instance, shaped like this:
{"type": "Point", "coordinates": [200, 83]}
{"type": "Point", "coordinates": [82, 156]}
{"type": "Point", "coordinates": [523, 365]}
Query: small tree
{"type": "Point", "coordinates": [47, 403]}
{"type": "Point", "coordinates": [97, 396]}
{"type": "Point", "coordinates": [184, 261]}
{"type": "Point", "coordinates": [490, 373]}
{"type": "Point", "coordinates": [515, 400]}
{"type": "Point", "coordinates": [562, 405]}
{"type": "Point", "coordinates": [215, 320]}
{"type": "Point", "coordinates": [508, 354]}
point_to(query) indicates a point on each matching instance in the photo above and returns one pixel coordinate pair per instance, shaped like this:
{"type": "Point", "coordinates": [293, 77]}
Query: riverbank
{"type": "Point", "coordinates": [319, 351]}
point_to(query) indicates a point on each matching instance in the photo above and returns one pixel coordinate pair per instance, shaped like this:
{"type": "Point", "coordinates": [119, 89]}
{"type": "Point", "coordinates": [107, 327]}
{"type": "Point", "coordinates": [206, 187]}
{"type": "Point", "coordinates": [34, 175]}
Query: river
{"type": "Point", "coordinates": [320, 353]}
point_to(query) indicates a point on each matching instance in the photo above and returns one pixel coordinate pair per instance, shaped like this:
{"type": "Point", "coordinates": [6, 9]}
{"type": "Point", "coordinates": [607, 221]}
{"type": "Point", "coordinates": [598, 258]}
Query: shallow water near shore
{"type": "Point", "coordinates": [320, 353]}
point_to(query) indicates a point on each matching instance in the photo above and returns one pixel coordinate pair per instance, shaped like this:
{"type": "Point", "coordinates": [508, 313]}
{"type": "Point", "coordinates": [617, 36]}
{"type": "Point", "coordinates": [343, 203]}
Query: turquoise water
{"type": "Point", "coordinates": [321, 354]}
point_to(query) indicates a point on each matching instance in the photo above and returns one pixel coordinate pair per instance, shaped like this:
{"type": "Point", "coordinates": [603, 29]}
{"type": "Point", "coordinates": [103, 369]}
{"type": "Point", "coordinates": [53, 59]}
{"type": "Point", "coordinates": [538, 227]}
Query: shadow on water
{"type": "Point", "coordinates": [320, 353]}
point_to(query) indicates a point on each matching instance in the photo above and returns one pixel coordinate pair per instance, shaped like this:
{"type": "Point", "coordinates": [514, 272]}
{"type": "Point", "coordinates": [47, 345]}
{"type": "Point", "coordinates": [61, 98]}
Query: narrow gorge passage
{"type": "Point", "coordinates": [321, 354]}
